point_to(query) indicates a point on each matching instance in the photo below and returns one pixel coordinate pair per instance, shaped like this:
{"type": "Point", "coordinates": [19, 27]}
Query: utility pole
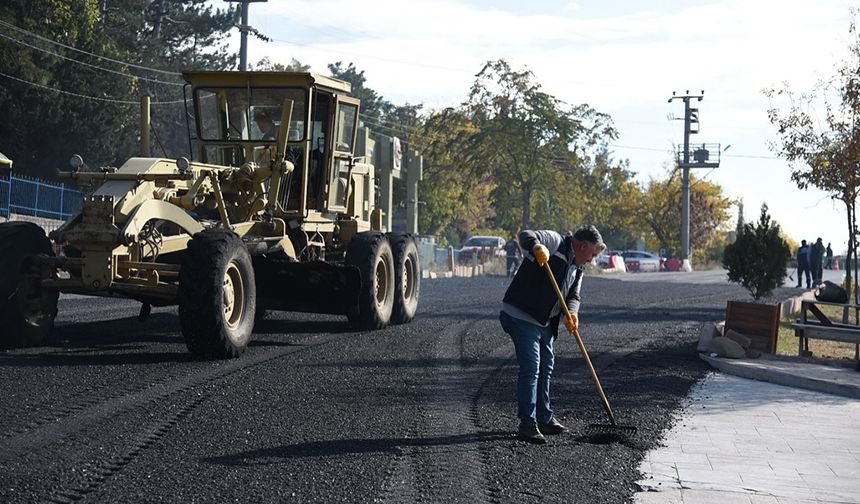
{"type": "Point", "coordinates": [244, 29]}
{"type": "Point", "coordinates": [701, 158]}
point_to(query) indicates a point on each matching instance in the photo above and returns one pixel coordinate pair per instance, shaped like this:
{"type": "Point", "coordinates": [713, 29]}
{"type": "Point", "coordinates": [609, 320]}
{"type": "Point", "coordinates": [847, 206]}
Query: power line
{"type": "Point", "coordinates": [388, 60]}
{"type": "Point", "coordinates": [750, 156]}
{"type": "Point", "coordinates": [653, 149]}
{"type": "Point", "coordinates": [78, 95]}
{"type": "Point", "coordinates": [391, 126]}
{"type": "Point", "coordinates": [132, 65]}
{"type": "Point", "coordinates": [103, 69]}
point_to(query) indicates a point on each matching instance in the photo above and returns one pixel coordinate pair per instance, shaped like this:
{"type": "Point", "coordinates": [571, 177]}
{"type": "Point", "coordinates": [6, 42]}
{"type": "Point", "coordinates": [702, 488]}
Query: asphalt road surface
{"type": "Point", "coordinates": [116, 411]}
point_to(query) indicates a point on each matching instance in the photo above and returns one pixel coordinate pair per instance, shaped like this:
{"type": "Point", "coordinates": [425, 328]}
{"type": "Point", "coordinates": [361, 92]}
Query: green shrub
{"type": "Point", "coordinates": [758, 257]}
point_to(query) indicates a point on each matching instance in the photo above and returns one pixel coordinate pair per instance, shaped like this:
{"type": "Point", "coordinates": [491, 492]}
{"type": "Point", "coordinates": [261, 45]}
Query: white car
{"type": "Point", "coordinates": [637, 260]}
{"type": "Point", "coordinates": [485, 247]}
{"type": "Point", "coordinates": [602, 260]}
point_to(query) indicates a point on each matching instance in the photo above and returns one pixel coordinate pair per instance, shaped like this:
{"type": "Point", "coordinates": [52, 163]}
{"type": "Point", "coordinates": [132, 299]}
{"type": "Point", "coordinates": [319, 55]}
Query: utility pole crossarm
{"type": "Point", "coordinates": [244, 29]}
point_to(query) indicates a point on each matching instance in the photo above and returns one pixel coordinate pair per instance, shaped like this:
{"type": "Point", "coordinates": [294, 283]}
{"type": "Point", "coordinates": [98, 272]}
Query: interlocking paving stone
{"type": "Point", "coordinates": [755, 442]}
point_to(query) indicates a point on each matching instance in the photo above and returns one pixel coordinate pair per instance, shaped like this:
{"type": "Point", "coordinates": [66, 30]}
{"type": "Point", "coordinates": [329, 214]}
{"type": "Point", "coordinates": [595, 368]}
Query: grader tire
{"type": "Point", "coordinates": [407, 277]}
{"type": "Point", "coordinates": [370, 251]}
{"type": "Point", "coordinates": [27, 310]}
{"type": "Point", "coordinates": [217, 295]}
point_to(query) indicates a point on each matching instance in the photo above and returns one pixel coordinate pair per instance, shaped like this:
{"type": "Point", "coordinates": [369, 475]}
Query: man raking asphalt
{"type": "Point", "coordinates": [531, 312]}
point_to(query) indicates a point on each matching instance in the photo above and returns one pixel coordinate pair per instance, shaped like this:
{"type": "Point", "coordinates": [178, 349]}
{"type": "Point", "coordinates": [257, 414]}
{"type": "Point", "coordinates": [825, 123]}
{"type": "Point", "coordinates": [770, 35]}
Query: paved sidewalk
{"type": "Point", "coordinates": [715, 276]}
{"type": "Point", "coordinates": [753, 442]}
{"type": "Point", "coordinates": [799, 372]}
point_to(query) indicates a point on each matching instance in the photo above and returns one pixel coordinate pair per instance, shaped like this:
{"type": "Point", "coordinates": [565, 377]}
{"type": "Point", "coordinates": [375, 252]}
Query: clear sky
{"type": "Point", "coordinates": [624, 58]}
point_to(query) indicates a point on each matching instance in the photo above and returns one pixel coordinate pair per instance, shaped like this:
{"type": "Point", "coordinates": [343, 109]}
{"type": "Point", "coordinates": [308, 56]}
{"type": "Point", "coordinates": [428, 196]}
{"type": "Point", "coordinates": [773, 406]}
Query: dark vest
{"type": "Point", "coordinates": [531, 291]}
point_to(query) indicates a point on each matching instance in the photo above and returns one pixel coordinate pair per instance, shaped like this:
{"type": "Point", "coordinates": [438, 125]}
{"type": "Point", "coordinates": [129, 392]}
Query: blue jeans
{"type": "Point", "coordinates": [533, 345]}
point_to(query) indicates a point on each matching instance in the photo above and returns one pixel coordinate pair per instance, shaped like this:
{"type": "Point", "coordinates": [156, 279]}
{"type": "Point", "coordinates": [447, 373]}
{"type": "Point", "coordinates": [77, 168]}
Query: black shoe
{"type": "Point", "coordinates": [552, 427]}
{"type": "Point", "coordinates": [529, 433]}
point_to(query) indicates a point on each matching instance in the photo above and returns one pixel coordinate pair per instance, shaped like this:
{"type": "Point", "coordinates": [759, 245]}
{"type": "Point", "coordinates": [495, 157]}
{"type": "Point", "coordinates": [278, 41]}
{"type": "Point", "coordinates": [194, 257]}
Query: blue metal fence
{"type": "Point", "coordinates": [39, 198]}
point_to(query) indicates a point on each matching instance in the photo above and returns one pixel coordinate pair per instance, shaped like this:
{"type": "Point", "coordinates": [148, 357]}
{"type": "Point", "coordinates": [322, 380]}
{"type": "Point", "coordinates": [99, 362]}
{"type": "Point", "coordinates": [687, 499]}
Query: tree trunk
{"type": "Point", "coordinates": [527, 198]}
{"type": "Point", "coordinates": [851, 253]}
{"type": "Point", "coordinates": [847, 265]}
{"type": "Point", "coordinates": [852, 237]}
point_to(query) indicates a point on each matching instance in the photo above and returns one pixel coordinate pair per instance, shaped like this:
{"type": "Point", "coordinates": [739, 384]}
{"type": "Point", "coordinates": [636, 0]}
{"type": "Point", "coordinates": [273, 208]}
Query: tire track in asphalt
{"type": "Point", "coordinates": [47, 413]}
{"type": "Point", "coordinates": [85, 415]}
{"type": "Point", "coordinates": [444, 463]}
{"type": "Point", "coordinates": [95, 474]}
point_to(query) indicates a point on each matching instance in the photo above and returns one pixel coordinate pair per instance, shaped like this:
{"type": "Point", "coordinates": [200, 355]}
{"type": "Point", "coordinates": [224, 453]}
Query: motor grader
{"type": "Point", "coordinates": [274, 212]}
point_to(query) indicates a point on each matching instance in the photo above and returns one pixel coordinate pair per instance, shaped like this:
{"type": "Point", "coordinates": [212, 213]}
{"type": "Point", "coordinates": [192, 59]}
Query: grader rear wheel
{"type": "Point", "coordinates": [370, 251]}
{"type": "Point", "coordinates": [407, 278]}
{"type": "Point", "coordinates": [217, 295]}
{"type": "Point", "coordinates": [27, 310]}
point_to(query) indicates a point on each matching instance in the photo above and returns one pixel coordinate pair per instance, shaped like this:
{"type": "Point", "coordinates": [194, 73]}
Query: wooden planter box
{"type": "Point", "coordinates": [759, 322]}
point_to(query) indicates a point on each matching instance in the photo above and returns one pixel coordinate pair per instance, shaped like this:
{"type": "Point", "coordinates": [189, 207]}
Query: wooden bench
{"type": "Point", "coordinates": [821, 327]}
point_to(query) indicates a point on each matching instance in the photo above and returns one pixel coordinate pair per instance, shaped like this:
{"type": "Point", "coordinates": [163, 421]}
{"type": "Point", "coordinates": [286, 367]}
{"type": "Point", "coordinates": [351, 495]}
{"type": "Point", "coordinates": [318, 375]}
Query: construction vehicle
{"type": "Point", "coordinates": [274, 212]}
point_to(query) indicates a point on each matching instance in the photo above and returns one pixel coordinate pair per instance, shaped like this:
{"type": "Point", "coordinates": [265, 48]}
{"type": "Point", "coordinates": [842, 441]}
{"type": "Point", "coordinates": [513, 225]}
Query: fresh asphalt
{"type": "Point", "coordinates": [116, 411]}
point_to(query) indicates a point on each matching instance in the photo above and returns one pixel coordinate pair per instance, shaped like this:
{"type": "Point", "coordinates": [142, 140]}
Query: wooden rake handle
{"type": "Point", "coordinates": [579, 342]}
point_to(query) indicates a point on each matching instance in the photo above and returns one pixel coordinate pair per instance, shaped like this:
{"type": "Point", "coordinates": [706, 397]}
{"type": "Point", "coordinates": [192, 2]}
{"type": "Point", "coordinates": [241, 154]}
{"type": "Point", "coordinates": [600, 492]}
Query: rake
{"type": "Point", "coordinates": [612, 428]}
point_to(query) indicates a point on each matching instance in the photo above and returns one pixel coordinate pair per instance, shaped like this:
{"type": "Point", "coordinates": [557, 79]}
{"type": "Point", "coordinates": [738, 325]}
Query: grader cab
{"type": "Point", "coordinates": [274, 212]}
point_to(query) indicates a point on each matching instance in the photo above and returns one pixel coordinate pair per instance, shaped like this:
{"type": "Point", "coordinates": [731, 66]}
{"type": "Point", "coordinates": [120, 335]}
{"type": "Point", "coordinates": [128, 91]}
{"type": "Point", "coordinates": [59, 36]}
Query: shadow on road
{"type": "Point", "coordinates": [127, 341]}
{"type": "Point", "coordinates": [281, 326]}
{"type": "Point", "coordinates": [273, 455]}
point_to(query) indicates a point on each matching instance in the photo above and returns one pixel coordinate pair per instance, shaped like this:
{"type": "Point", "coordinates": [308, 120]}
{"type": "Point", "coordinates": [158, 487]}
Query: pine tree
{"type": "Point", "coordinates": [757, 259]}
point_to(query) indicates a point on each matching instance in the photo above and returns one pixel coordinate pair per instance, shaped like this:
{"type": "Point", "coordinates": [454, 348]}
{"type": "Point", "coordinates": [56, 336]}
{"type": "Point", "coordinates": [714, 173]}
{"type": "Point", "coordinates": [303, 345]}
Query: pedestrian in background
{"type": "Point", "coordinates": [829, 255]}
{"type": "Point", "coordinates": [803, 264]}
{"type": "Point", "coordinates": [531, 314]}
{"type": "Point", "coordinates": [816, 255]}
{"type": "Point", "coordinates": [513, 255]}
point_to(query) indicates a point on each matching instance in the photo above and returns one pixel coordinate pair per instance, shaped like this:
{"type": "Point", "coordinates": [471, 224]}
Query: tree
{"type": "Point", "coordinates": [267, 65]}
{"type": "Point", "coordinates": [456, 195]}
{"type": "Point", "coordinates": [661, 212]}
{"type": "Point", "coordinates": [758, 257]}
{"type": "Point", "coordinates": [59, 102]}
{"type": "Point", "coordinates": [825, 152]}
{"type": "Point", "coordinates": [79, 68]}
{"type": "Point", "coordinates": [531, 141]}
{"type": "Point", "coordinates": [176, 35]}
{"type": "Point", "coordinates": [373, 106]}
{"type": "Point", "coordinates": [612, 200]}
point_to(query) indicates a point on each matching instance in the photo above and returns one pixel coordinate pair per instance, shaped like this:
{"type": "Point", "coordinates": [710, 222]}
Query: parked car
{"type": "Point", "coordinates": [487, 247]}
{"type": "Point", "coordinates": [602, 260]}
{"type": "Point", "coordinates": [638, 260]}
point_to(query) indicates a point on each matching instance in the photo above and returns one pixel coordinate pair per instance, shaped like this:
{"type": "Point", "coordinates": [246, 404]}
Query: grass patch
{"type": "Point", "coordinates": [786, 343]}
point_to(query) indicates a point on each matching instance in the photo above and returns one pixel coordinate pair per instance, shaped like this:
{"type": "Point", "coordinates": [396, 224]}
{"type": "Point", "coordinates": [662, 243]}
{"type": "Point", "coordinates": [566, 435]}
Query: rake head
{"type": "Point", "coordinates": [612, 429]}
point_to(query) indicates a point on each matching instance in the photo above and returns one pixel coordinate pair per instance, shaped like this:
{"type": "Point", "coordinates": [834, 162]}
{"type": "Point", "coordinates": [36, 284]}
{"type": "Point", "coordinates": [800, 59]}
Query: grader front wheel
{"type": "Point", "coordinates": [217, 295]}
{"type": "Point", "coordinates": [27, 309]}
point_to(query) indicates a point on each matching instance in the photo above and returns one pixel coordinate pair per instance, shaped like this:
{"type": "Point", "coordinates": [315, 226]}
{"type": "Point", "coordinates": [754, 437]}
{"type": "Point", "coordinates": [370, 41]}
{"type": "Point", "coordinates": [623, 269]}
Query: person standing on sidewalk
{"type": "Point", "coordinates": [513, 255]}
{"type": "Point", "coordinates": [803, 264]}
{"type": "Point", "coordinates": [816, 254]}
{"type": "Point", "coordinates": [531, 314]}
{"type": "Point", "coordinates": [828, 264]}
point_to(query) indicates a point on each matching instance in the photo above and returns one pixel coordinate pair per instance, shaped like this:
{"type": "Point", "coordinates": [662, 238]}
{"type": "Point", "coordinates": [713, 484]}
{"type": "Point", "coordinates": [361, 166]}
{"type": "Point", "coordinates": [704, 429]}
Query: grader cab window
{"type": "Point", "coordinates": [345, 129]}
{"type": "Point", "coordinates": [346, 116]}
{"type": "Point", "coordinates": [248, 114]}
